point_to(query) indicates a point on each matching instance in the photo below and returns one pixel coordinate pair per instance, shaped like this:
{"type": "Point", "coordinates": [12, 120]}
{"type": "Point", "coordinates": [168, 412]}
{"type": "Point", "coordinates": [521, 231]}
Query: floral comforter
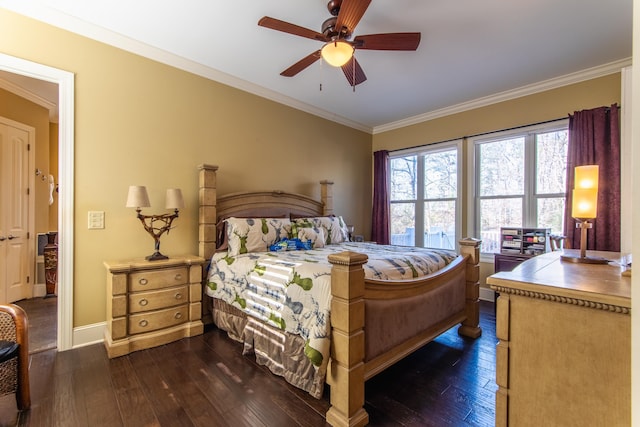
{"type": "Point", "coordinates": [291, 289]}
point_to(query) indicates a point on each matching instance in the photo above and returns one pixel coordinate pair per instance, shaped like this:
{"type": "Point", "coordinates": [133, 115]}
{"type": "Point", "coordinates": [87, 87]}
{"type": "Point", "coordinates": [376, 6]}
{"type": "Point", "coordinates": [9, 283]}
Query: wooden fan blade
{"type": "Point", "coordinates": [389, 41]}
{"type": "Point", "coordinates": [285, 27]}
{"type": "Point", "coordinates": [348, 70]}
{"type": "Point", "coordinates": [301, 65]}
{"type": "Point", "coordinates": [351, 12]}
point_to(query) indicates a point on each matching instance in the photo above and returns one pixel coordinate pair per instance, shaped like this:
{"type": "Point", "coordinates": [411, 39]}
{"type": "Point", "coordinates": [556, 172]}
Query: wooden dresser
{"type": "Point", "coordinates": [150, 303]}
{"type": "Point", "coordinates": [564, 351]}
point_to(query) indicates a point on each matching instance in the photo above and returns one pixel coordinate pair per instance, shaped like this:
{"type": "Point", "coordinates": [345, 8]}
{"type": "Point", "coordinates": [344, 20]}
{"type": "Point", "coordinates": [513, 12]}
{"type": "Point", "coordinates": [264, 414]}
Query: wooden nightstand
{"type": "Point", "coordinates": [150, 303]}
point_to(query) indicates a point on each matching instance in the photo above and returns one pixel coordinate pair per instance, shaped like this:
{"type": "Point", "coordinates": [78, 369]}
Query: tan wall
{"type": "Point", "coordinates": [26, 112]}
{"type": "Point", "coordinates": [144, 123]}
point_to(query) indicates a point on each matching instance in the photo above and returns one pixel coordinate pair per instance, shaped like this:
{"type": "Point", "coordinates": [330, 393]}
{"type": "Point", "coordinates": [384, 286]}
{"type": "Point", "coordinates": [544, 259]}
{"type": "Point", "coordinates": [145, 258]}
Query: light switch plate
{"type": "Point", "coordinates": [96, 220]}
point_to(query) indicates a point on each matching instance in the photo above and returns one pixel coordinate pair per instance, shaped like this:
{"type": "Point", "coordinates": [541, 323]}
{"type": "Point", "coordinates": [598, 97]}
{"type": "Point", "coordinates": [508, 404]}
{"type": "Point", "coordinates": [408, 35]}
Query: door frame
{"type": "Point", "coordinates": [66, 88]}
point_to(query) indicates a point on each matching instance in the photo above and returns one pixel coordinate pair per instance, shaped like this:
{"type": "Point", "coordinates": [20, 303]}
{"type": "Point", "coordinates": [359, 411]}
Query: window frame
{"type": "Point", "coordinates": [530, 197]}
{"type": "Point", "coordinates": [420, 201]}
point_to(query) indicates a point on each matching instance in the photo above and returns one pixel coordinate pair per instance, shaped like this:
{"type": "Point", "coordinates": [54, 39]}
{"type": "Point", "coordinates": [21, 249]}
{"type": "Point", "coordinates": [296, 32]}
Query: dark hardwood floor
{"type": "Point", "coordinates": [205, 381]}
{"type": "Point", "coordinates": [43, 322]}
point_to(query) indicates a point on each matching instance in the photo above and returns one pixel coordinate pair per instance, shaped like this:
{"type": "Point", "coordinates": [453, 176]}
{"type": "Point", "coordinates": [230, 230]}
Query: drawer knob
{"type": "Point", "coordinates": [143, 323]}
{"type": "Point", "coordinates": [178, 295]}
{"type": "Point", "coordinates": [143, 302]}
{"type": "Point", "coordinates": [178, 315]}
{"type": "Point", "coordinates": [178, 276]}
{"type": "Point", "coordinates": [143, 281]}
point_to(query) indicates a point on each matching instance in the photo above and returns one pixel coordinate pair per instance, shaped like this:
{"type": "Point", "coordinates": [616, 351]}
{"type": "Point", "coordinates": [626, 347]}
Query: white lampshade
{"type": "Point", "coordinates": [138, 197]}
{"type": "Point", "coordinates": [174, 199]}
{"type": "Point", "coordinates": [337, 53]}
{"type": "Point", "coordinates": [586, 176]}
{"type": "Point", "coordinates": [585, 203]}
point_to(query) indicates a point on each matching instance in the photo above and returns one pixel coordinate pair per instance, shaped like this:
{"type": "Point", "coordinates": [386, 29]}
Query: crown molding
{"type": "Point", "coordinates": [72, 24]}
{"type": "Point", "coordinates": [30, 96]}
{"type": "Point", "coordinates": [577, 77]}
{"type": "Point", "coordinates": [69, 23]}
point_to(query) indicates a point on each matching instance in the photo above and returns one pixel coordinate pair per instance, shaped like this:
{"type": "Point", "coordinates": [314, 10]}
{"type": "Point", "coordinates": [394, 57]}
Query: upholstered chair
{"type": "Point", "coordinates": [14, 359]}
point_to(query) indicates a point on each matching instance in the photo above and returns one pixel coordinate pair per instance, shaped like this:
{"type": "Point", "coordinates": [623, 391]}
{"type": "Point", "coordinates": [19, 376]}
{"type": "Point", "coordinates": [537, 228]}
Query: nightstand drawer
{"type": "Point", "coordinates": [154, 279]}
{"type": "Point", "coordinates": [151, 321]}
{"type": "Point", "coordinates": [153, 300]}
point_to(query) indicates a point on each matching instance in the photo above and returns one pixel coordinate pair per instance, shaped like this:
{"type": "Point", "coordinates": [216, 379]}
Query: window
{"type": "Point", "coordinates": [520, 181]}
{"type": "Point", "coordinates": [425, 196]}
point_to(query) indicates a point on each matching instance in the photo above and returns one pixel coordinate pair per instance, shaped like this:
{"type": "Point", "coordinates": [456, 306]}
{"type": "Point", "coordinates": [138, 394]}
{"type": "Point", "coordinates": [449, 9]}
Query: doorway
{"type": "Point", "coordinates": [65, 82]}
{"type": "Point", "coordinates": [16, 211]}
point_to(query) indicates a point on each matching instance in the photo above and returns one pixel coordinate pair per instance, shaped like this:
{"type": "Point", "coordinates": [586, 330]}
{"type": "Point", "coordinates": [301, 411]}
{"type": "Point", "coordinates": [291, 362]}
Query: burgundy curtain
{"type": "Point", "coordinates": [594, 139]}
{"type": "Point", "coordinates": [381, 209]}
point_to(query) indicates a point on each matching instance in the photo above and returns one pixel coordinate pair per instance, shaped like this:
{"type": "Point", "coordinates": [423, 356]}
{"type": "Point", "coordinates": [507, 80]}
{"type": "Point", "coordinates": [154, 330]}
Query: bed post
{"type": "Point", "coordinates": [207, 212]}
{"type": "Point", "coordinates": [345, 374]}
{"type": "Point", "coordinates": [326, 196]}
{"type": "Point", "coordinates": [206, 228]}
{"type": "Point", "coordinates": [471, 325]}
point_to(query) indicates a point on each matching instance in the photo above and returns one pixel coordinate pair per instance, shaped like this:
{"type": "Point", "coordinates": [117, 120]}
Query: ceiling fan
{"type": "Point", "coordinates": [336, 34]}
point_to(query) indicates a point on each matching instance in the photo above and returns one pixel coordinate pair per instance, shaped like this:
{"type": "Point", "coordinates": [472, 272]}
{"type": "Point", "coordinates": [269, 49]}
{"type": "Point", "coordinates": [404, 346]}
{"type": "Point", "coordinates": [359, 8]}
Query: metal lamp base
{"type": "Point", "coordinates": [156, 256]}
{"type": "Point", "coordinates": [583, 224]}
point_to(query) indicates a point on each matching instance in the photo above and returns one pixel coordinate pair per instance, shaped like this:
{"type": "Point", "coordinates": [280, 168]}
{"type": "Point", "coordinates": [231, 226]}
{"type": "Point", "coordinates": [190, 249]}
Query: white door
{"type": "Point", "coordinates": [16, 268]}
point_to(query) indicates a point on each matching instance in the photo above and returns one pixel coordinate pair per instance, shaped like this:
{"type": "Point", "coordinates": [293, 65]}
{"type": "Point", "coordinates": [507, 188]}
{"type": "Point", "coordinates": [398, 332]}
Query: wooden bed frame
{"type": "Point", "coordinates": [348, 369]}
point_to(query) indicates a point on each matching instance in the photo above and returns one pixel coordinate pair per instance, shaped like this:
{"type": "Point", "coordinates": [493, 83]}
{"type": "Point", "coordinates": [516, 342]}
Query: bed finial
{"type": "Point", "coordinates": [326, 196]}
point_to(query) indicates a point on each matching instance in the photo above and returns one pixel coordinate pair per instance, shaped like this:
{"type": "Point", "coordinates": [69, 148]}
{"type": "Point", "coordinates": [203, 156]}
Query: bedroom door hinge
{"type": "Point", "coordinates": [28, 278]}
{"type": "Point", "coordinates": [28, 147]}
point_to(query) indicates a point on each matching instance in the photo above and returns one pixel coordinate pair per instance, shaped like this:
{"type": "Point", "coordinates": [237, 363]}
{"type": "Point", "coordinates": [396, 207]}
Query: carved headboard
{"type": "Point", "coordinates": [259, 204]}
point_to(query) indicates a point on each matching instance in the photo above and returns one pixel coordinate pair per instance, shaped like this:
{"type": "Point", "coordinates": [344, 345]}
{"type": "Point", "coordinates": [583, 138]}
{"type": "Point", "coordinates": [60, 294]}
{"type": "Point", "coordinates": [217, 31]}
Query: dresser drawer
{"type": "Point", "coordinates": [153, 300]}
{"type": "Point", "coordinates": [154, 279]}
{"type": "Point", "coordinates": [154, 320]}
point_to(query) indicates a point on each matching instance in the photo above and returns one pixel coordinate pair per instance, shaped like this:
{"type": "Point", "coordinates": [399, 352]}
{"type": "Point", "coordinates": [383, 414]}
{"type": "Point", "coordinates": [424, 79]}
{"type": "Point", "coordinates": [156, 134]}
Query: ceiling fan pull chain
{"type": "Point", "coordinates": [321, 73]}
{"type": "Point", "coordinates": [353, 68]}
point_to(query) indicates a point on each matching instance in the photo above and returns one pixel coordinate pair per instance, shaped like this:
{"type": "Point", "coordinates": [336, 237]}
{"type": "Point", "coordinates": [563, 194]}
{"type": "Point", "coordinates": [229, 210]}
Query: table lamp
{"type": "Point", "coordinates": [155, 225]}
{"type": "Point", "coordinates": [584, 210]}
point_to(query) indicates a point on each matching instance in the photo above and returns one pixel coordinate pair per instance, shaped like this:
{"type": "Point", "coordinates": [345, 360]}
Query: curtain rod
{"type": "Point", "coordinates": [480, 134]}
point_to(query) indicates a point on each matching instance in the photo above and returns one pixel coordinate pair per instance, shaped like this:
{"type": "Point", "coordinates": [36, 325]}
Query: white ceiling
{"type": "Point", "coordinates": [470, 49]}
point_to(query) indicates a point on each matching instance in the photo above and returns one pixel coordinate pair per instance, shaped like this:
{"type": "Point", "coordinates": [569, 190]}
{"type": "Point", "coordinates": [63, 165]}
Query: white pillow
{"type": "Point", "coordinates": [316, 235]}
{"type": "Point", "coordinates": [247, 235]}
{"type": "Point", "coordinates": [335, 229]}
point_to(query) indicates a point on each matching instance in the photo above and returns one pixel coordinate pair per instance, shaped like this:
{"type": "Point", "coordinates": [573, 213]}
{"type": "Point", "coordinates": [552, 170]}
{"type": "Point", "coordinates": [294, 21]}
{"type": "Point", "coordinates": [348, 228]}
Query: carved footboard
{"type": "Point", "coordinates": [349, 366]}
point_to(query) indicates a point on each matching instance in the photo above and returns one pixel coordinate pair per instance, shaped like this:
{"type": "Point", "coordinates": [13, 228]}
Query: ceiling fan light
{"type": "Point", "coordinates": [337, 53]}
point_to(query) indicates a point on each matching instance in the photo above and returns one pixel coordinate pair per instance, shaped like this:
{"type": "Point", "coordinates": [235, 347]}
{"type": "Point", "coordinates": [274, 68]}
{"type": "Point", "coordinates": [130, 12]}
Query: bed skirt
{"type": "Point", "coordinates": [281, 352]}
